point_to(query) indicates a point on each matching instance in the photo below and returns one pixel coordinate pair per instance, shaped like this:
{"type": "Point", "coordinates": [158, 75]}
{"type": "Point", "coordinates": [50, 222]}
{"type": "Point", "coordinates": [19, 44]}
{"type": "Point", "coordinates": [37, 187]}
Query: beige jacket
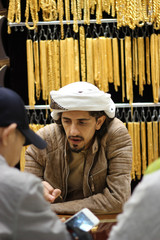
{"type": "Point", "coordinates": [106, 182]}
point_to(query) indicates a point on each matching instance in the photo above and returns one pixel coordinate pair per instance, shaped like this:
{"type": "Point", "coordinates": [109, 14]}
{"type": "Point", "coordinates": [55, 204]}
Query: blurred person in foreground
{"type": "Point", "coordinates": [140, 218]}
{"type": "Point", "coordinates": [90, 149]}
{"type": "Point", "coordinates": [24, 212]}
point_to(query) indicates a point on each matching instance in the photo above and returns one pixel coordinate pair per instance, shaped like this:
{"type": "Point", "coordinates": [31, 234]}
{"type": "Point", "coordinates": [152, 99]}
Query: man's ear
{"type": "Point", "coordinates": [7, 132]}
{"type": "Point", "coordinates": [100, 121]}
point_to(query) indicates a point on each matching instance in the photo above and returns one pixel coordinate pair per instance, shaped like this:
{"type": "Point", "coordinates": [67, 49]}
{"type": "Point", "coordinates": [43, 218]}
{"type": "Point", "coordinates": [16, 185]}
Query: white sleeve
{"type": "Point", "coordinates": [35, 220]}
{"type": "Point", "coordinates": [140, 218]}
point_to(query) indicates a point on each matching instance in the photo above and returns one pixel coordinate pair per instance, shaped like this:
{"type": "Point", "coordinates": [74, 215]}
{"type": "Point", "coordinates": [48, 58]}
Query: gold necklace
{"type": "Point", "coordinates": [32, 6]}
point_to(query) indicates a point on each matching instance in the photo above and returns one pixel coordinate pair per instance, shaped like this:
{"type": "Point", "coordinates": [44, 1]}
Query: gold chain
{"type": "Point", "coordinates": [32, 7]}
{"type": "Point", "coordinates": [143, 144]}
{"type": "Point", "coordinates": [82, 52]}
{"type": "Point", "coordinates": [14, 12]}
{"type": "Point", "coordinates": [30, 71]}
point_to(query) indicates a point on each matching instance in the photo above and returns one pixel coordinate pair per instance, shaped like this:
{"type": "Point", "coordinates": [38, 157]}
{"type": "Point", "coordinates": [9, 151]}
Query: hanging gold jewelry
{"type": "Point", "coordinates": [32, 7]}
{"type": "Point", "coordinates": [130, 127]}
{"type": "Point", "coordinates": [100, 63]}
{"type": "Point", "coordinates": [128, 63]}
{"type": "Point", "coordinates": [96, 61]}
{"type": "Point", "coordinates": [116, 64]}
{"type": "Point", "coordinates": [99, 11]}
{"type": "Point", "coordinates": [135, 61]}
{"type": "Point", "coordinates": [82, 52]}
{"type": "Point", "coordinates": [63, 61]}
{"type": "Point", "coordinates": [150, 142]}
{"type": "Point", "coordinates": [56, 63]}
{"type": "Point", "coordinates": [89, 60]}
{"type": "Point", "coordinates": [141, 65]}
{"type": "Point", "coordinates": [50, 67]}
{"type": "Point", "coordinates": [79, 13]}
{"type": "Point", "coordinates": [76, 61]}
{"type": "Point", "coordinates": [122, 67]}
{"type": "Point", "coordinates": [155, 140]}
{"type": "Point", "coordinates": [137, 149]}
{"type": "Point", "coordinates": [30, 72]}
{"type": "Point", "coordinates": [143, 146]}
{"type": "Point", "coordinates": [43, 69]}
{"type": "Point", "coordinates": [67, 11]}
{"type": "Point", "coordinates": [154, 67]}
{"type": "Point", "coordinates": [61, 13]}
{"type": "Point", "coordinates": [75, 16]}
{"type": "Point", "coordinates": [37, 68]}
{"type": "Point", "coordinates": [49, 9]}
{"type": "Point", "coordinates": [148, 72]}
{"type": "Point", "coordinates": [14, 12]}
{"type": "Point", "coordinates": [109, 59]}
{"type": "Point", "coordinates": [70, 60]}
{"type": "Point", "coordinates": [86, 12]}
{"type": "Point", "coordinates": [103, 65]}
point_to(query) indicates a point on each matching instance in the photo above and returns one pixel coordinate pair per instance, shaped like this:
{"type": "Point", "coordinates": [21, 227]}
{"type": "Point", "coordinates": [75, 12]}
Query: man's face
{"type": "Point", "coordinates": [80, 128]}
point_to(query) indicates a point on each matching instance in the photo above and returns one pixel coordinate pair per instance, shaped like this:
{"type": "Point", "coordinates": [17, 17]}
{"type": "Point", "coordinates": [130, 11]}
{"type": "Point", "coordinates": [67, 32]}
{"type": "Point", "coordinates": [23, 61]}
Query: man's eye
{"type": "Point", "coordinates": [82, 123]}
{"type": "Point", "coordinates": [66, 121]}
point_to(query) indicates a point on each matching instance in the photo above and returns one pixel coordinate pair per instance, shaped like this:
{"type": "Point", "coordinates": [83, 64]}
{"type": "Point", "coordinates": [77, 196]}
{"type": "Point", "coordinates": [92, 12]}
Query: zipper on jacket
{"type": "Point", "coordinates": [92, 185]}
{"type": "Point", "coordinates": [88, 177]}
{"type": "Point", "coordinates": [66, 185]}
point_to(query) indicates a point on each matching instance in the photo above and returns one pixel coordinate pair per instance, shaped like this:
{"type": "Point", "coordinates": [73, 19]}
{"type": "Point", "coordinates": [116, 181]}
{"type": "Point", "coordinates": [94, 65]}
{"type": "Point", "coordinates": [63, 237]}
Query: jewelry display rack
{"type": "Point", "coordinates": [42, 23]}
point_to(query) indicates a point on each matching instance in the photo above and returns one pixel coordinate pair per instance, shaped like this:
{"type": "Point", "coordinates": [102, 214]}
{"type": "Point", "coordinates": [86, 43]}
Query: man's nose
{"type": "Point", "coordinates": [74, 130]}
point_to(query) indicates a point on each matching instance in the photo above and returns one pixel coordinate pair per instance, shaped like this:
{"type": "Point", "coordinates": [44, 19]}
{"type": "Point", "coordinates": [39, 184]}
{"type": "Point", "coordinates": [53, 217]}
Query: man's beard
{"type": "Point", "coordinates": [76, 150]}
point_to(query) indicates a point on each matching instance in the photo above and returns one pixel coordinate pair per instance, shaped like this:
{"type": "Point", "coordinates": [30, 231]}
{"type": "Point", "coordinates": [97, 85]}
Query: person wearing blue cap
{"type": "Point", "coordinates": [88, 155]}
{"type": "Point", "coordinates": [24, 212]}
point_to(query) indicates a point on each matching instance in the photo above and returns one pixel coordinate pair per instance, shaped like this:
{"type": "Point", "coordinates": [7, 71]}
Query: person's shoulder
{"type": "Point", "coordinates": [53, 135]}
{"type": "Point", "coordinates": [150, 184]}
{"type": "Point", "coordinates": [13, 182]}
{"type": "Point", "coordinates": [15, 178]}
{"type": "Point", "coordinates": [51, 131]}
{"type": "Point", "coordinates": [154, 166]}
{"type": "Point", "coordinates": [116, 125]}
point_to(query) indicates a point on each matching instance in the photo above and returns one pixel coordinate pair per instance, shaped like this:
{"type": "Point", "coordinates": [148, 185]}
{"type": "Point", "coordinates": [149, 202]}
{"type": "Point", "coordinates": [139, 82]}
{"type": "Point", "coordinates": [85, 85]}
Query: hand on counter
{"type": "Point", "coordinates": [50, 193]}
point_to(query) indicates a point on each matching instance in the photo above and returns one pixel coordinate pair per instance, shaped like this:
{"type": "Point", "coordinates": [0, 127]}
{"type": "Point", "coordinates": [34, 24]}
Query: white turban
{"type": "Point", "coordinates": [81, 96]}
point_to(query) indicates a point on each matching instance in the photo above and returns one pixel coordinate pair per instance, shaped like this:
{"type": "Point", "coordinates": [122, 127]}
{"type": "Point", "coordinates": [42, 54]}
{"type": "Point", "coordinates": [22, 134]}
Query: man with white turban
{"type": "Point", "coordinates": [88, 155]}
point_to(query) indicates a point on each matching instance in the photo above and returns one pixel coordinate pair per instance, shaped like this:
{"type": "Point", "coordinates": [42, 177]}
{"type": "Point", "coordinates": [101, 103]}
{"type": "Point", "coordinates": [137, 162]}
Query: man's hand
{"type": "Point", "coordinates": [50, 194]}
